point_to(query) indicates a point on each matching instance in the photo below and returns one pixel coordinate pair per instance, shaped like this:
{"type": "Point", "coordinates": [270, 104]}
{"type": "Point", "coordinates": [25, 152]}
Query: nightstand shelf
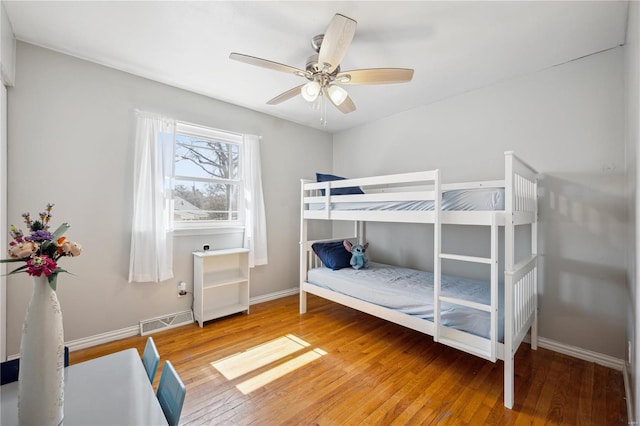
{"type": "Point", "coordinates": [220, 283]}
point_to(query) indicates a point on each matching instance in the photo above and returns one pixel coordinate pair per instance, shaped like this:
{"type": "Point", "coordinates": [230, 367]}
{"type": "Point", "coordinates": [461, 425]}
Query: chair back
{"type": "Point", "coordinates": [150, 358]}
{"type": "Point", "coordinates": [171, 393]}
{"type": "Point", "coordinates": [10, 370]}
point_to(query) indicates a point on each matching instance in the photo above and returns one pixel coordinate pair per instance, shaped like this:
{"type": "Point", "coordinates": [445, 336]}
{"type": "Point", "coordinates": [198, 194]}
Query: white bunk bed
{"type": "Point", "coordinates": [383, 200]}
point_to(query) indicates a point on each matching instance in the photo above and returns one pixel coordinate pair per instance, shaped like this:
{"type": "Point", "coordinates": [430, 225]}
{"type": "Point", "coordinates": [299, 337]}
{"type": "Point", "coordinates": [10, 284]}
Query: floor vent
{"type": "Point", "coordinates": [166, 322]}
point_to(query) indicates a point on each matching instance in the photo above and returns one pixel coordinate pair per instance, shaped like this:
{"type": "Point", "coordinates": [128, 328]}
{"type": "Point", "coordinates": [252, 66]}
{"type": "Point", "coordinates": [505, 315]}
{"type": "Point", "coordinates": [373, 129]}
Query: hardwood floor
{"type": "Point", "coordinates": [337, 366]}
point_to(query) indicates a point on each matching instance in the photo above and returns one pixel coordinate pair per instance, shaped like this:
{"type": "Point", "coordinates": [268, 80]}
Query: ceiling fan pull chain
{"type": "Point", "coordinates": [323, 109]}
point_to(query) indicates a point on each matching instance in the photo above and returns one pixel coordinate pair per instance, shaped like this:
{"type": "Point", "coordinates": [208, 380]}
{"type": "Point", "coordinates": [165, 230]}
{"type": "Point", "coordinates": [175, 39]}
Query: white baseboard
{"type": "Point", "coordinates": [99, 339]}
{"type": "Point", "coordinates": [274, 295]}
{"type": "Point", "coordinates": [584, 354]}
{"type": "Point", "coordinates": [123, 333]}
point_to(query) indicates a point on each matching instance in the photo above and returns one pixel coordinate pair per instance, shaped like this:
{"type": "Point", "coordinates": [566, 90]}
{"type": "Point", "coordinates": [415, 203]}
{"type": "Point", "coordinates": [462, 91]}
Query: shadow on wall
{"type": "Point", "coordinates": [582, 243]}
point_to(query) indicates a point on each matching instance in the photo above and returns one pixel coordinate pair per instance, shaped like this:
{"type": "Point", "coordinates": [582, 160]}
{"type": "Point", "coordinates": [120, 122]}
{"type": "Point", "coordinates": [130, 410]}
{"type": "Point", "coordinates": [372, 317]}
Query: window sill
{"type": "Point", "coordinates": [188, 232]}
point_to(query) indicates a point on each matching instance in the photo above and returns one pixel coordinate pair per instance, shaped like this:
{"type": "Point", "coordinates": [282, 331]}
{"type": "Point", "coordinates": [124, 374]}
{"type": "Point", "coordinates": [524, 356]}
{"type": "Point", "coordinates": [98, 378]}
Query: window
{"type": "Point", "coordinates": [218, 177]}
{"type": "Point", "coordinates": [207, 177]}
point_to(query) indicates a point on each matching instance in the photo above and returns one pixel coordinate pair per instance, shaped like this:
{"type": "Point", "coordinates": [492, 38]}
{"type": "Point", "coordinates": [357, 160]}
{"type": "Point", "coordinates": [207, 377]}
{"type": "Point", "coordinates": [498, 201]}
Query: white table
{"type": "Point", "coordinates": [110, 390]}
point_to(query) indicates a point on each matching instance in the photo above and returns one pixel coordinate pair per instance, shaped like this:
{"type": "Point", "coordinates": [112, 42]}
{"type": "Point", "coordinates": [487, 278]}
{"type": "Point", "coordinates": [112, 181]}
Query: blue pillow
{"type": "Point", "coordinates": [333, 255]}
{"type": "Point", "coordinates": [320, 177]}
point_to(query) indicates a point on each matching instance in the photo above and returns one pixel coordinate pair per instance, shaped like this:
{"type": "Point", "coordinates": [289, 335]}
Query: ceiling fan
{"type": "Point", "coordinates": [323, 68]}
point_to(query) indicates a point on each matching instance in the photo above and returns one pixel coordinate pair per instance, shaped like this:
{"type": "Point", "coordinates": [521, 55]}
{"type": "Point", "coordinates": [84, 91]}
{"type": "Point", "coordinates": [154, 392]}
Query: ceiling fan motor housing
{"type": "Point", "coordinates": [316, 42]}
{"type": "Point", "coordinates": [315, 68]}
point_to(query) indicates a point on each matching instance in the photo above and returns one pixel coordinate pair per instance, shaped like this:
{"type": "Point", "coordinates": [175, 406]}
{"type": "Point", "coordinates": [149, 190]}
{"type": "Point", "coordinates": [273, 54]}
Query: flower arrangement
{"type": "Point", "coordinates": [40, 249]}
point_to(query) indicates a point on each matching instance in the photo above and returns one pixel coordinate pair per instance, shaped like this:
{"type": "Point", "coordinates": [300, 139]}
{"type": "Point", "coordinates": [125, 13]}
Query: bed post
{"type": "Point", "coordinates": [303, 251]}
{"type": "Point", "coordinates": [509, 231]}
{"type": "Point", "coordinates": [495, 243]}
{"type": "Point", "coordinates": [359, 231]}
{"type": "Point", "coordinates": [437, 252]}
{"type": "Point", "coordinates": [534, 251]}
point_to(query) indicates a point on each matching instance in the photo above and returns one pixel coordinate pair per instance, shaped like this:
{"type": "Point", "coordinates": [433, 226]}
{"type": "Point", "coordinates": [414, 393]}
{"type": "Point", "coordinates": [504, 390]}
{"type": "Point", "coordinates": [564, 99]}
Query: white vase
{"type": "Point", "coordinates": [41, 375]}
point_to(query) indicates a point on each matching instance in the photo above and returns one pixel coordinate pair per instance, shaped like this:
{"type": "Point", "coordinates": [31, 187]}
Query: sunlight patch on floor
{"type": "Point", "coordinates": [256, 382]}
{"type": "Point", "coordinates": [243, 363]}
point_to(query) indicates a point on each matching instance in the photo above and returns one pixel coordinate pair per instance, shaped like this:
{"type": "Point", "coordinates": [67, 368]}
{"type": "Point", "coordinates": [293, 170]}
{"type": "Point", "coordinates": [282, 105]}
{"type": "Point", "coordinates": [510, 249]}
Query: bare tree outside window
{"type": "Point", "coordinates": [206, 179]}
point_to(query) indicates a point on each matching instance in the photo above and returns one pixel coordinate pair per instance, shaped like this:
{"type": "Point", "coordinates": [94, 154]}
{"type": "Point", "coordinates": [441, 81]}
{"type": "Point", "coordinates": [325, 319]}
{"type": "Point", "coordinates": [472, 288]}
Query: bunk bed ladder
{"type": "Point", "coordinates": [490, 350]}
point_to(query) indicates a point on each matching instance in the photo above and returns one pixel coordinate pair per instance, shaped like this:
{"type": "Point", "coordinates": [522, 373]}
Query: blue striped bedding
{"type": "Point", "coordinates": [410, 291]}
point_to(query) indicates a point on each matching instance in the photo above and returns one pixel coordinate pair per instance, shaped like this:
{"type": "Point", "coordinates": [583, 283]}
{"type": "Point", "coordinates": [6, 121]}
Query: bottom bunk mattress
{"type": "Point", "coordinates": [410, 291]}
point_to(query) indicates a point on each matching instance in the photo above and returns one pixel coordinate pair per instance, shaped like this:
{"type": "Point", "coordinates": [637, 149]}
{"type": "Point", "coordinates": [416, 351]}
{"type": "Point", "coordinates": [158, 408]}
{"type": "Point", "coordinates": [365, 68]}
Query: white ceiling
{"type": "Point", "coordinates": [453, 46]}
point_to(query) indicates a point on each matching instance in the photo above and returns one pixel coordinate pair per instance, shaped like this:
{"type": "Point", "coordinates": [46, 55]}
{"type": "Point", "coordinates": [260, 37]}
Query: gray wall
{"type": "Point", "coordinates": [568, 122]}
{"type": "Point", "coordinates": [71, 124]}
{"type": "Point", "coordinates": [70, 142]}
{"type": "Point", "coordinates": [632, 91]}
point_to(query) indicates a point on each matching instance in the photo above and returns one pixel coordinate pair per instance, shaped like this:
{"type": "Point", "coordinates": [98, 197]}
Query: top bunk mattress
{"type": "Point", "coordinates": [480, 199]}
{"type": "Point", "coordinates": [410, 291]}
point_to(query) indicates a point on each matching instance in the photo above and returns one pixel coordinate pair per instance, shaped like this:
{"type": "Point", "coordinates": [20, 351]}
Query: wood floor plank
{"type": "Point", "coordinates": [337, 366]}
{"type": "Point", "coordinates": [561, 371]}
{"type": "Point", "coordinates": [432, 381]}
{"type": "Point", "coordinates": [384, 380]}
{"type": "Point", "coordinates": [586, 395]}
{"type": "Point", "coordinates": [615, 394]}
{"type": "Point", "coordinates": [439, 408]}
{"type": "Point", "coordinates": [599, 402]}
{"type": "Point", "coordinates": [390, 412]}
{"type": "Point", "coordinates": [472, 393]}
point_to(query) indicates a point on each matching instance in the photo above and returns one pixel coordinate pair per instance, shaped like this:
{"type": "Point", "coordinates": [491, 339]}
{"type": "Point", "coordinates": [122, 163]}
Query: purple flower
{"type": "Point", "coordinates": [40, 236]}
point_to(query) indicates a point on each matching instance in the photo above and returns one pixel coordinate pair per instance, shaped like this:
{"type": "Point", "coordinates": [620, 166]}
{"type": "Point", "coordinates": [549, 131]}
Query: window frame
{"type": "Point", "coordinates": [214, 135]}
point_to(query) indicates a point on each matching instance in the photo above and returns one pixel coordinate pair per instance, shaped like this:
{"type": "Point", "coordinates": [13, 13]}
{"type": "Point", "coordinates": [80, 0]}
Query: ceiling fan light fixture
{"type": "Point", "coordinates": [337, 94]}
{"type": "Point", "coordinates": [310, 91]}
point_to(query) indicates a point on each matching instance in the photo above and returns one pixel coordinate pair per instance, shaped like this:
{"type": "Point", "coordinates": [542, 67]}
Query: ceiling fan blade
{"type": "Point", "coordinates": [252, 60]}
{"type": "Point", "coordinates": [346, 106]}
{"type": "Point", "coordinates": [336, 41]}
{"type": "Point", "coordinates": [375, 76]}
{"type": "Point", "coordinates": [286, 95]}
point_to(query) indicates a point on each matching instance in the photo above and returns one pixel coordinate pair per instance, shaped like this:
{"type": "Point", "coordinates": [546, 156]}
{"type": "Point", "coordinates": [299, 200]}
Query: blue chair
{"type": "Point", "coordinates": [10, 370]}
{"type": "Point", "coordinates": [171, 393]}
{"type": "Point", "coordinates": [150, 359]}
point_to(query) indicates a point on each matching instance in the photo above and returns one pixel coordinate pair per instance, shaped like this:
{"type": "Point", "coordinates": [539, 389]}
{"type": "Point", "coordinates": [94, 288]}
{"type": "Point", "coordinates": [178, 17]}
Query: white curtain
{"type": "Point", "coordinates": [151, 237]}
{"type": "Point", "coordinates": [255, 234]}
